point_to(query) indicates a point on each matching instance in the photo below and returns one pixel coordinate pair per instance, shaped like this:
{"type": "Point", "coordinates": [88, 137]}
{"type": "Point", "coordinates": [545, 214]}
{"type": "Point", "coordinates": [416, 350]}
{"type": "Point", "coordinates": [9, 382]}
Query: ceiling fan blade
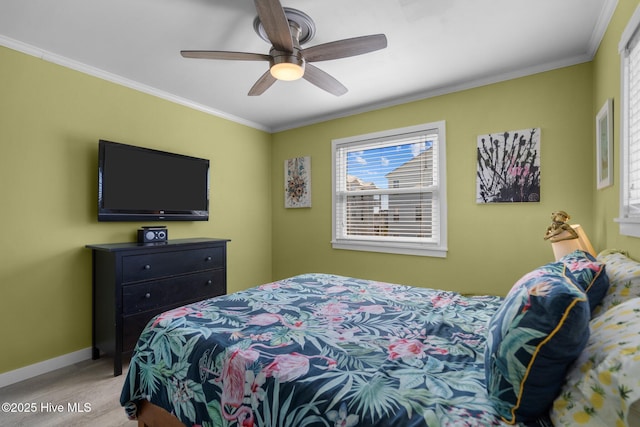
{"type": "Point", "coordinates": [345, 48]}
{"type": "Point", "coordinates": [275, 24]}
{"type": "Point", "coordinates": [324, 81]}
{"type": "Point", "coordinates": [215, 54]}
{"type": "Point", "coordinates": [264, 82]}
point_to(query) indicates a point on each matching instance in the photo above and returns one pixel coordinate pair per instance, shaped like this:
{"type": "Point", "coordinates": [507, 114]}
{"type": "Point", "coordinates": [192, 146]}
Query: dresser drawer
{"type": "Point", "coordinates": [152, 265]}
{"type": "Point", "coordinates": [171, 291]}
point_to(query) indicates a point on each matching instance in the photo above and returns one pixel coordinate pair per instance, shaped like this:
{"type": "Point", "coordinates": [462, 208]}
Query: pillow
{"type": "Point", "coordinates": [605, 380]}
{"type": "Point", "coordinates": [590, 275]}
{"type": "Point", "coordinates": [534, 336]}
{"type": "Point", "coordinates": [624, 279]}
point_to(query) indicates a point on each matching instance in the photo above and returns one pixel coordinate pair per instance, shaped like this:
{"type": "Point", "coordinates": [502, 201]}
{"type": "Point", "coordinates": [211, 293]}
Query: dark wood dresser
{"type": "Point", "coordinates": [132, 282]}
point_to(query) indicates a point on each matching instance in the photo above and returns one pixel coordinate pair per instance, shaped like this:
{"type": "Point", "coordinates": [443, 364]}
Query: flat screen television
{"type": "Point", "coordinates": [141, 184]}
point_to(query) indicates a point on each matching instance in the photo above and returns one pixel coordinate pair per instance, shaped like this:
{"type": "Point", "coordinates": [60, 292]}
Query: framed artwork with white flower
{"type": "Point", "coordinates": [297, 182]}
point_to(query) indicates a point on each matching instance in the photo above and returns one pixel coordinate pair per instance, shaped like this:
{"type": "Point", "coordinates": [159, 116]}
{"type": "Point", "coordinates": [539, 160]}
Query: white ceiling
{"type": "Point", "coordinates": [434, 47]}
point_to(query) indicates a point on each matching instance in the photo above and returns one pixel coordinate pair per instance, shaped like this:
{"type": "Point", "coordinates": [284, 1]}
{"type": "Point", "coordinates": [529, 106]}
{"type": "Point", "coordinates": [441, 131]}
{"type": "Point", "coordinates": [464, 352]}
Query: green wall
{"type": "Point", "coordinates": [607, 85]}
{"type": "Point", "coordinates": [490, 246]}
{"type": "Point", "coordinates": [51, 119]}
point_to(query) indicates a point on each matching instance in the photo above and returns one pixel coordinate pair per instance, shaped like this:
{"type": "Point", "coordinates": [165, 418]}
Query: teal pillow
{"type": "Point", "coordinates": [590, 275]}
{"type": "Point", "coordinates": [534, 336]}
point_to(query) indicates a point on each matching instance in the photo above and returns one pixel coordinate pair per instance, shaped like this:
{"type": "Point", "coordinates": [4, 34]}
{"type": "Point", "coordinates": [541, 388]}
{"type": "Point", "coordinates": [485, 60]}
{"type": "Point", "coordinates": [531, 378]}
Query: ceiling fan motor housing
{"type": "Point", "coordinates": [306, 28]}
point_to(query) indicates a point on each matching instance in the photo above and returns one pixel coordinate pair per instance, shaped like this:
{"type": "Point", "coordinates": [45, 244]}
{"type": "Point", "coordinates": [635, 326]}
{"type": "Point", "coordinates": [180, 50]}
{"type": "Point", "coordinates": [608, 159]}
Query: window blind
{"type": "Point", "coordinates": [387, 189]}
{"type": "Point", "coordinates": [633, 183]}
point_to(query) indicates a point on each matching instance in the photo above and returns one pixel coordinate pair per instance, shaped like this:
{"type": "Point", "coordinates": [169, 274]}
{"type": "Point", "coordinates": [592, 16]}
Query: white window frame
{"type": "Point", "coordinates": [437, 247]}
{"type": "Point", "coordinates": [629, 218]}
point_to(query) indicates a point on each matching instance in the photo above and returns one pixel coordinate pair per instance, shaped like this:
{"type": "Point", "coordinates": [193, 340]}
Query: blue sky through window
{"type": "Point", "coordinates": [371, 165]}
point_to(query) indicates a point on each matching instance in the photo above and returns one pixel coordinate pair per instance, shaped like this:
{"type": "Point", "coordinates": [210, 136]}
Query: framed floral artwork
{"type": "Point", "coordinates": [297, 182]}
{"type": "Point", "coordinates": [604, 144]}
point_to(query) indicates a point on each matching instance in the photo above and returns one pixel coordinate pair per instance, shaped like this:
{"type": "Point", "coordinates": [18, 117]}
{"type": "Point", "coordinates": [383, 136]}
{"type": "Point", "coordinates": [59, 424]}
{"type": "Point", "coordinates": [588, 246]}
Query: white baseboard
{"type": "Point", "coordinates": [43, 367]}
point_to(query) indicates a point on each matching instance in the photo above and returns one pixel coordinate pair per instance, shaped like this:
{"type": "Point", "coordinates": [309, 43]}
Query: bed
{"type": "Point", "coordinates": [328, 350]}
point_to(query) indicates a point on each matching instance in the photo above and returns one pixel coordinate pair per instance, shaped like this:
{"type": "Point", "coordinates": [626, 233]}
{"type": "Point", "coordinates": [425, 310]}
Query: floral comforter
{"type": "Point", "coordinates": [318, 350]}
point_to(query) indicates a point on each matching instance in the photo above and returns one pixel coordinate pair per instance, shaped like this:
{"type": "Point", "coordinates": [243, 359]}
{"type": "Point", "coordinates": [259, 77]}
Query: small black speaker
{"type": "Point", "coordinates": [156, 234]}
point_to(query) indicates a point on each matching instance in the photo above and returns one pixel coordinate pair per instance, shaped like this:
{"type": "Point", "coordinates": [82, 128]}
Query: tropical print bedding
{"type": "Point", "coordinates": [318, 350]}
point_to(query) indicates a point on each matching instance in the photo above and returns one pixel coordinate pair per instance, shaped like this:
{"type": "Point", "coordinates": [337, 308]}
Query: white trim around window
{"type": "Point", "coordinates": [389, 191]}
{"type": "Point", "coordinates": [629, 49]}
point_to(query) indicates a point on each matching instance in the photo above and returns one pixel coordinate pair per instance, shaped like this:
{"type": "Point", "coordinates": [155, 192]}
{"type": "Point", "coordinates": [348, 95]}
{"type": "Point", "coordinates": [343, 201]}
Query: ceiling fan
{"type": "Point", "coordinates": [286, 29]}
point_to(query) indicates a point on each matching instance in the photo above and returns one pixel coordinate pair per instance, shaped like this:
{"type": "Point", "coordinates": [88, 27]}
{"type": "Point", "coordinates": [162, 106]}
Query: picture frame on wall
{"type": "Point", "coordinates": [604, 145]}
{"type": "Point", "coordinates": [297, 182]}
{"type": "Point", "coordinates": [508, 167]}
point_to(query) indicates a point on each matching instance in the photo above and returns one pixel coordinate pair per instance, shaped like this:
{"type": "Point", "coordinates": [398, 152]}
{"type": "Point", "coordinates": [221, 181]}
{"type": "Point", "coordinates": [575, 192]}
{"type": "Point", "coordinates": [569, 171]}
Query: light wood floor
{"type": "Point", "coordinates": [90, 382]}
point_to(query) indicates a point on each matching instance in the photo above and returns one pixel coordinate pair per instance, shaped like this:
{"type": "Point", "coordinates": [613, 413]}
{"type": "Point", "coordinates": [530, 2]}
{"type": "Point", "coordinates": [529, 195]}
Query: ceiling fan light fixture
{"type": "Point", "coordinates": [287, 71]}
{"type": "Point", "coordinates": [287, 66]}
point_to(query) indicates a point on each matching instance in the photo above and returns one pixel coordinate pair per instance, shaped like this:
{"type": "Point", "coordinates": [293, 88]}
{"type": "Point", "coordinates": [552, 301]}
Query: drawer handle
{"type": "Point", "coordinates": [208, 258]}
{"type": "Point", "coordinates": [147, 267]}
{"type": "Point", "coordinates": [209, 282]}
{"type": "Point", "coordinates": [147, 295]}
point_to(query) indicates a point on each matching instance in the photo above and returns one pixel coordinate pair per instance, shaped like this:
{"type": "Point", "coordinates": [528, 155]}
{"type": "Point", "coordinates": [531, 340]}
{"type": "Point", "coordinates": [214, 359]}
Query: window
{"type": "Point", "coordinates": [630, 128]}
{"type": "Point", "coordinates": [389, 192]}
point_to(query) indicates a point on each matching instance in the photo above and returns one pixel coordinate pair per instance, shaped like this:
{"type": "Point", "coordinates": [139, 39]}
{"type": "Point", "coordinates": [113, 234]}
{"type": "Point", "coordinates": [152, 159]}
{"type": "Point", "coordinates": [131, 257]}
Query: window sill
{"type": "Point", "coordinates": [629, 226]}
{"type": "Point", "coordinates": [392, 248]}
